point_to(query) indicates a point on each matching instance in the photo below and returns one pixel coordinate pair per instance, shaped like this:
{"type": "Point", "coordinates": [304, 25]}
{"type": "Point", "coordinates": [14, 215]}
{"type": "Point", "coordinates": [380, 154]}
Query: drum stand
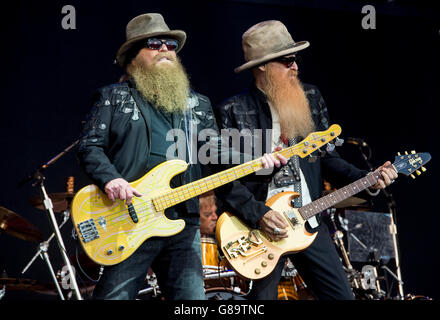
{"type": "Point", "coordinates": [393, 228]}
{"type": "Point", "coordinates": [39, 179]}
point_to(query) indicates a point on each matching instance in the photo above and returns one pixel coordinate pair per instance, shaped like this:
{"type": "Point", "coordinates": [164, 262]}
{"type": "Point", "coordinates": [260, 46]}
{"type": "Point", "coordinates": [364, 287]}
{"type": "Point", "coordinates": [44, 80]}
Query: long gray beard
{"type": "Point", "coordinates": [165, 86]}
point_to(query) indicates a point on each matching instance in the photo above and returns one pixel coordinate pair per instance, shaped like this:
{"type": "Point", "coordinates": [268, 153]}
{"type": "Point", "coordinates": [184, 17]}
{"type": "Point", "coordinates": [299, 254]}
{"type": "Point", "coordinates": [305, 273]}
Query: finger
{"type": "Point", "coordinates": [264, 162]}
{"type": "Point", "coordinates": [269, 161]}
{"type": "Point", "coordinates": [282, 159]}
{"type": "Point", "coordinates": [122, 194]}
{"type": "Point", "coordinates": [279, 222]}
{"type": "Point", "coordinates": [274, 160]}
{"type": "Point", "coordinates": [386, 179]}
{"type": "Point", "coordinates": [110, 195]}
{"type": "Point", "coordinates": [381, 184]}
{"type": "Point", "coordinates": [277, 148]}
{"type": "Point", "coordinates": [136, 193]}
{"type": "Point", "coordinates": [129, 195]}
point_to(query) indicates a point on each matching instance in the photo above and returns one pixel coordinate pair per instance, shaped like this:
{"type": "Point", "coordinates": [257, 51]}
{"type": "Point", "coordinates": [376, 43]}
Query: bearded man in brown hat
{"type": "Point", "coordinates": [288, 110]}
{"type": "Point", "coordinates": [127, 134]}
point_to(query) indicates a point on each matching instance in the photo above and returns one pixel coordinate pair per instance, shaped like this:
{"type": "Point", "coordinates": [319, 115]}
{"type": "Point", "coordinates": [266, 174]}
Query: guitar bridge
{"type": "Point", "coordinates": [88, 231]}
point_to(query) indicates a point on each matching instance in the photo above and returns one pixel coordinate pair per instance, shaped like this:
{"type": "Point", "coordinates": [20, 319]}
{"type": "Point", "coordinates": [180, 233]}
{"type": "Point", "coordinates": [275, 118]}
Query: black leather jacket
{"type": "Point", "coordinates": [116, 138]}
{"type": "Point", "coordinates": [249, 110]}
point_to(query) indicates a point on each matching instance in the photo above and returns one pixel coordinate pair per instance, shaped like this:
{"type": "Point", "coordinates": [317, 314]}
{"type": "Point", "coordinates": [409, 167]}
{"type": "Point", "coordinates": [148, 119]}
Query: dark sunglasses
{"type": "Point", "coordinates": [156, 44]}
{"type": "Point", "coordinates": [287, 61]}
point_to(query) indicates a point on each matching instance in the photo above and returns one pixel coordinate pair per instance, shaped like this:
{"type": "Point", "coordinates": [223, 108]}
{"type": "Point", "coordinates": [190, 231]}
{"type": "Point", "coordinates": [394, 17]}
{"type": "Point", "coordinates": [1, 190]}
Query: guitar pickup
{"type": "Point", "coordinates": [132, 213]}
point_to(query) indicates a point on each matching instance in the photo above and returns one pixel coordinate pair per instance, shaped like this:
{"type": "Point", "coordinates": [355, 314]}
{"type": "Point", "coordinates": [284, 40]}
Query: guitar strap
{"type": "Point", "coordinates": [293, 163]}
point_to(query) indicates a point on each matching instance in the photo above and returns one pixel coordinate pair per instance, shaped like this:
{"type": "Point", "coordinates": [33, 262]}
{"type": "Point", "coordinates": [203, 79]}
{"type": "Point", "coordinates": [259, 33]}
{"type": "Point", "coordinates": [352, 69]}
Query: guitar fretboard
{"type": "Point", "coordinates": [328, 201]}
{"type": "Point", "coordinates": [198, 187]}
{"type": "Point", "coordinates": [193, 189]}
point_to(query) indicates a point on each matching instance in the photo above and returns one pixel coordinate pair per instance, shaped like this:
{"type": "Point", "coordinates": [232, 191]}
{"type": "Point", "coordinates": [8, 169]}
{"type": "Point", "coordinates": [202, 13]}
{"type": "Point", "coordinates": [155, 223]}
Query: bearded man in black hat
{"type": "Point", "coordinates": [127, 134]}
{"type": "Point", "coordinates": [278, 101]}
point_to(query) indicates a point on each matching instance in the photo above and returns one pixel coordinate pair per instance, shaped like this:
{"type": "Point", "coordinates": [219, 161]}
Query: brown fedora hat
{"type": "Point", "coordinates": [265, 41]}
{"type": "Point", "coordinates": [146, 26]}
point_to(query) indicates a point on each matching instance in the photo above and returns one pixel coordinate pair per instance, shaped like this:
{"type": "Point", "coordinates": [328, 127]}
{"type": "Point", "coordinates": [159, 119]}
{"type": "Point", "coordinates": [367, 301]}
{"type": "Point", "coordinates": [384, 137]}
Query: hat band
{"type": "Point", "coordinates": [274, 50]}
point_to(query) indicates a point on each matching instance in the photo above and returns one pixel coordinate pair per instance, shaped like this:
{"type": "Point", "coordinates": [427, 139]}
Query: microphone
{"type": "Point", "coordinates": [356, 141]}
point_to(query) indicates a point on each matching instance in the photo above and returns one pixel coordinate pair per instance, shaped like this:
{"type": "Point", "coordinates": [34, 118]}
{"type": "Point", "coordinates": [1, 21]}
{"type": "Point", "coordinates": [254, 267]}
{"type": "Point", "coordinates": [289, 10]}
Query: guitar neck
{"type": "Point", "coordinates": [309, 210]}
{"type": "Point", "coordinates": [211, 182]}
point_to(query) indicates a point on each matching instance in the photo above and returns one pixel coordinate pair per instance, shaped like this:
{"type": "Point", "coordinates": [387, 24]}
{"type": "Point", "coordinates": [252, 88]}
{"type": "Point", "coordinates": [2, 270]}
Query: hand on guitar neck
{"type": "Point", "coordinates": [388, 176]}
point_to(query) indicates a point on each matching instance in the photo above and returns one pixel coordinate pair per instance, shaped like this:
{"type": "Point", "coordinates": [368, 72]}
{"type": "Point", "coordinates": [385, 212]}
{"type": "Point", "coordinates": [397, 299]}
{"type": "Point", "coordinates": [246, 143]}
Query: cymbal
{"type": "Point", "coordinates": [60, 201]}
{"type": "Point", "coordinates": [16, 226]}
{"type": "Point", "coordinates": [349, 202]}
{"type": "Point", "coordinates": [28, 285]}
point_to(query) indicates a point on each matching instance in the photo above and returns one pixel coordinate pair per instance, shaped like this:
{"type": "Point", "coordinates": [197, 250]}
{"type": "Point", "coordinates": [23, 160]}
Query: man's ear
{"type": "Point", "coordinates": [262, 68]}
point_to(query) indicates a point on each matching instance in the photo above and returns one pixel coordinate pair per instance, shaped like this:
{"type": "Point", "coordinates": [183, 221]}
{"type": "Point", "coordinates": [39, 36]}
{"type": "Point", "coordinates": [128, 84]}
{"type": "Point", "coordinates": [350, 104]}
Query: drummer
{"type": "Point", "coordinates": [208, 214]}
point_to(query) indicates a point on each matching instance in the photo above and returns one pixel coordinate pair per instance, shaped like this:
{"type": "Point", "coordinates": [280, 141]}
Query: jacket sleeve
{"type": "Point", "coordinates": [94, 143]}
{"type": "Point", "coordinates": [235, 196]}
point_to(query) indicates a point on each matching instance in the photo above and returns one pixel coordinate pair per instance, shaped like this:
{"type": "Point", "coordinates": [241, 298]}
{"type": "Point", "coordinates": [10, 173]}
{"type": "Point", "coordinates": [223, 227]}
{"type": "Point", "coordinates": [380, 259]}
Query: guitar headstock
{"type": "Point", "coordinates": [409, 163]}
{"type": "Point", "coordinates": [312, 142]}
{"type": "Point", "coordinates": [315, 140]}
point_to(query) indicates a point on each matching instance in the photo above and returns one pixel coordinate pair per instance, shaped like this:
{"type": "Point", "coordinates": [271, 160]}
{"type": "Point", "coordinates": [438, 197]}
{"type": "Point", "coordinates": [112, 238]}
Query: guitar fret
{"type": "Point", "coordinates": [337, 196]}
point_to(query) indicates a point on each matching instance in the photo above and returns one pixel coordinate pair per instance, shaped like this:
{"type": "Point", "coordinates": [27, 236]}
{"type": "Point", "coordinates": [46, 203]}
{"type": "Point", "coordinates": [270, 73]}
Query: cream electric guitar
{"type": "Point", "coordinates": [253, 255]}
{"type": "Point", "coordinates": [110, 232]}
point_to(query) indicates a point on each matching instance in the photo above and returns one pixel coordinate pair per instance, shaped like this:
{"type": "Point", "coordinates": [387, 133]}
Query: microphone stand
{"type": "Point", "coordinates": [393, 227]}
{"type": "Point", "coordinates": [39, 180]}
{"type": "Point", "coordinates": [43, 253]}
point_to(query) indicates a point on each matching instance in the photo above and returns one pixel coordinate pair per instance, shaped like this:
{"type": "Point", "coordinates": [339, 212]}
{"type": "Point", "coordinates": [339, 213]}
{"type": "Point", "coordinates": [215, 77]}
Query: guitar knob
{"type": "Point", "coordinates": [423, 169]}
{"type": "Point", "coordinates": [109, 252]}
{"type": "Point", "coordinates": [398, 153]}
{"type": "Point", "coordinates": [270, 256]}
{"type": "Point", "coordinates": [406, 152]}
{"type": "Point", "coordinates": [264, 264]}
{"type": "Point", "coordinates": [413, 176]}
{"type": "Point", "coordinates": [413, 152]}
{"type": "Point", "coordinates": [257, 271]}
{"type": "Point", "coordinates": [418, 172]}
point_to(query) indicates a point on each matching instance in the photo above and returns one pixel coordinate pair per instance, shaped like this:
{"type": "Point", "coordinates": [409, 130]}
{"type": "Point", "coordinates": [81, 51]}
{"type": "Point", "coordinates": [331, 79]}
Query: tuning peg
{"type": "Point", "coordinates": [423, 169]}
{"type": "Point", "coordinates": [339, 142]}
{"type": "Point", "coordinates": [398, 153]}
{"type": "Point", "coordinates": [413, 152]}
{"type": "Point", "coordinates": [330, 147]}
{"type": "Point", "coordinates": [406, 152]}
{"type": "Point", "coordinates": [418, 172]}
{"type": "Point", "coordinates": [413, 176]}
{"type": "Point", "coordinates": [312, 159]}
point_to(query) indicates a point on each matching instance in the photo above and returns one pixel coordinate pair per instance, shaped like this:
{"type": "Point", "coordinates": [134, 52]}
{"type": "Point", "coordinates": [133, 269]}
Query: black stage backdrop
{"type": "Point", "coordinates": [379, 84]}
